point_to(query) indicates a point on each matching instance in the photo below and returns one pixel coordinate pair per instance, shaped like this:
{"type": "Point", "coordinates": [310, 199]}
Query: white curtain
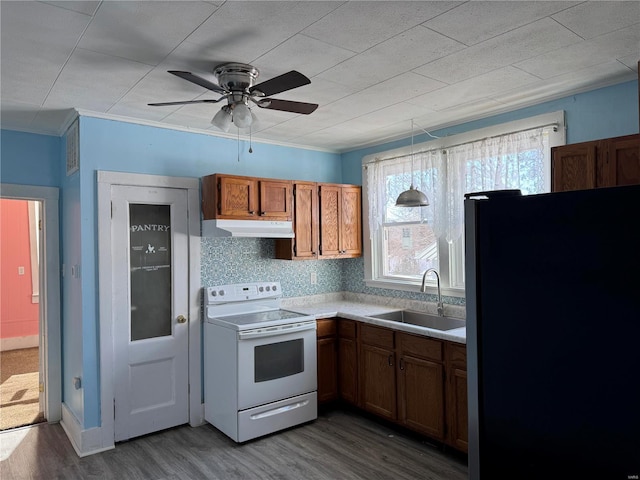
{"type": "Point", "coordinates": [508, 161]}
{"type": "Point", "coordinates": [514, 160]}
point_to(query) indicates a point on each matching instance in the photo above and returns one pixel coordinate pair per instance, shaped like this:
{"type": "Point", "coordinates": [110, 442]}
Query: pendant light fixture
{"type": "Point", "coordinates": [412, 197]}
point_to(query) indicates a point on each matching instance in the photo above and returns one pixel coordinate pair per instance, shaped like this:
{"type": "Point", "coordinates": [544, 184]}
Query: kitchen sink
{"type": "Point", "coordinates": [421, 319]}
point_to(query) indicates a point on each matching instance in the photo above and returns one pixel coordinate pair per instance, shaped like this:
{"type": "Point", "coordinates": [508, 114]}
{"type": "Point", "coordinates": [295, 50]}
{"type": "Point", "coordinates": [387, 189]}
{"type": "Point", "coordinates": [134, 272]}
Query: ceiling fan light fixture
{"type": "Point", "coordinates": [222, 119]}
{"type": "Point", "coordinates": [241, 115]}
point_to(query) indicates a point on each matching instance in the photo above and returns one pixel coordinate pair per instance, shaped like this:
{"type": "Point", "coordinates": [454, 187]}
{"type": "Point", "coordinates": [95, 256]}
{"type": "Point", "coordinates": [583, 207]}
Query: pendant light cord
{"type": "Point", "coordinates": [412, 186]}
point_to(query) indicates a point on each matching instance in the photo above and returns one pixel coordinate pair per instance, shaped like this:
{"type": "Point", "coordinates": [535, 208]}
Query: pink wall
{"type": "Point", "coordinates": [18, 316]}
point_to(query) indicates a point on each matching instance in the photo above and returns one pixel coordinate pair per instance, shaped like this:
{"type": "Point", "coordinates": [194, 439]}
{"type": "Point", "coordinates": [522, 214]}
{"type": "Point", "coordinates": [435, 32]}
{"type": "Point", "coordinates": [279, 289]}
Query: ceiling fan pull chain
{"type": "Point", "coordinates": [250, 147]}
{"type": "Point", "coordinates": [238, 143]}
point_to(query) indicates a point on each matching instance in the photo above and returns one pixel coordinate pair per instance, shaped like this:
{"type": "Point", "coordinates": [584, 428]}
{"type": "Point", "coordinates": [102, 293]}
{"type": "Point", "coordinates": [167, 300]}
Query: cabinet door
{"type": "Point", "coordinates": [237, 197]}
{"type": "Point", "coordinates": [305, 220]}
{"type": "Point", "coordinates": [348, 361]}
{"type": "Point", "coordinates": [622, 162]}
{"type": "Point", "coordinates": [573, 167]}
{"type": "Point", "coordinates": [327, 369]}
{"type": "Point", "coordinates": [329, 218]}
{"type": "Point", "coordinates": [457, 405]}
{"type": "Point", "coordinates": [275, 199]}
{"type": "Point", "coordinates": [421, 395]}
{"type": "Point", "coordinates": [348, 370]}
{"type": "Point", "coordinates": [351, 222]}
{"type": "Point", "coordinates": [457, 415]}
{"type": "Point", "coordinates": [378, 381]}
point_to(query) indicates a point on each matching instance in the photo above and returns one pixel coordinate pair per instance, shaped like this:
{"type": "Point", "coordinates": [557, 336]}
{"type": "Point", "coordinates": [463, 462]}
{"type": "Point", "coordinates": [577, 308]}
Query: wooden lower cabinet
{"type": "Point", "coordinates": [348, 361]}
{"type": "Point", "coordinates": [415, 381]}
{"type": "Point", "coordinates": [327, 354]}
{"type": "Point", "coordinates": [421, 395]}
{"type": "Point", "coordinates": [456, 387]}
{"type": "Point", "coordinates": [378, 381]}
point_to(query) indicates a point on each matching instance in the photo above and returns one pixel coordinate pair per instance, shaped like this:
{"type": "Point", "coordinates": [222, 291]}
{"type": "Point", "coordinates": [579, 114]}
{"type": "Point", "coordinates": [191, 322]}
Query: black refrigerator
{"type": "Point", "coordinates": [553, 334]}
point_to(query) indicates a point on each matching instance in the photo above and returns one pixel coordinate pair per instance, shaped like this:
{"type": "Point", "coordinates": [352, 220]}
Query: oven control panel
{"type": "Point", "coordinates": [242, 292]}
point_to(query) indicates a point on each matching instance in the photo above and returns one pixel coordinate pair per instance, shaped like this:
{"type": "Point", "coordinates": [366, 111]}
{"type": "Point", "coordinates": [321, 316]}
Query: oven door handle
{"type": "Point", "coordinates": [273, 332]}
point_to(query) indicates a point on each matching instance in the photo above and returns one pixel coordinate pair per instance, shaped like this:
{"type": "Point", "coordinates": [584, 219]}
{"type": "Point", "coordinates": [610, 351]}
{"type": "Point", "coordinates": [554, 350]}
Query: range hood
{"type": "Point", "coordinates": [247, 228]}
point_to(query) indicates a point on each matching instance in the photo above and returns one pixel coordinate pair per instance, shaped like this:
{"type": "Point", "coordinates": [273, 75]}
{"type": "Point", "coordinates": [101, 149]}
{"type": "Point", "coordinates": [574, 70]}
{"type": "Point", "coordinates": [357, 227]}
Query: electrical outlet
{"type": "Point", "coordinates": [314, 278]}
{"type": "Point", "coordinates": [20, 270]}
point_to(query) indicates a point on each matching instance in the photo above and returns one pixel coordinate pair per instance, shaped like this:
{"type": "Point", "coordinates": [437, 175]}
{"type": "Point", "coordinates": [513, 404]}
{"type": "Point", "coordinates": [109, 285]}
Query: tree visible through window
{"type": "Point", "coordinates": [407, 241]}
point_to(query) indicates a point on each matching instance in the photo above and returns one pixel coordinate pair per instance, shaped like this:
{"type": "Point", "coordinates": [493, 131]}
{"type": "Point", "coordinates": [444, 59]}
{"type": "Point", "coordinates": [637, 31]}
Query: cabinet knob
{"type": "Point", "coordinates": [262, 214]}
{"type": "Point", "coordinates": [401, 363]}
{"type": "Point", "coordinates": [390, 360]}
{"type": "Point", "coordinates": [252, 212]}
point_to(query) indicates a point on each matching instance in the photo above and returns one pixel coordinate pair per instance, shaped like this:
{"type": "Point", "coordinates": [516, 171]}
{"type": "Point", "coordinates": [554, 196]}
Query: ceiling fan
{"type": "Point", "coordinates": [236, 84]}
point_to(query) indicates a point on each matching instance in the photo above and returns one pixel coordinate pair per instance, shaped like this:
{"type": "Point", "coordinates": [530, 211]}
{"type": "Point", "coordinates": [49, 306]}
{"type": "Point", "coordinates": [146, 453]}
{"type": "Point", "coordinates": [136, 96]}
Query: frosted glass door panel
{"type": "Point", "coordinates": [150, 267]}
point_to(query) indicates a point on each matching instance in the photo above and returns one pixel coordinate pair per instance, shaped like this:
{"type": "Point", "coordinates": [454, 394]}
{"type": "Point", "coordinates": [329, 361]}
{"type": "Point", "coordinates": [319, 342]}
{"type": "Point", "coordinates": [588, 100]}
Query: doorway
{"type": "Point", "coordinates": [20, 399]}
{"type": "Point", "coordinates": [30, 383]}
{"type": "Point", "coordinates": [149, 270]}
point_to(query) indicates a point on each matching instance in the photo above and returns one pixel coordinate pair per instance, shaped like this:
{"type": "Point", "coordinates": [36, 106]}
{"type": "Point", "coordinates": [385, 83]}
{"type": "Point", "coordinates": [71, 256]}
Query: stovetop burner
{"type": "Point", "coordinates": [249, 305]}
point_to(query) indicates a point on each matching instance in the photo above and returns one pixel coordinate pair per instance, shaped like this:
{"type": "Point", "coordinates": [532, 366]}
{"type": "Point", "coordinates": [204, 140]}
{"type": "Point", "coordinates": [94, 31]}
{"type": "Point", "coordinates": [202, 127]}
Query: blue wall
{"type": "Point", "coordinates": [116, 146]}
{"type": "Point", "coordinates": [29, 159]}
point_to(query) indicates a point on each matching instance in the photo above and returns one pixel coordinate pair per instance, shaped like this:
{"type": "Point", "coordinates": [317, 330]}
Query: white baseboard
{"type": "Point", "coordinates": [16, 343]}
{"type": "Point", "coordinates": [198, 419]}
{"type": "Point", "coordinates": [84, 442]}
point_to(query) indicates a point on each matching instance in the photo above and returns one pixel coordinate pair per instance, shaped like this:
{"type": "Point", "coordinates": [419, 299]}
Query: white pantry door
{"type": "Point", "coordinates": [150, 234]}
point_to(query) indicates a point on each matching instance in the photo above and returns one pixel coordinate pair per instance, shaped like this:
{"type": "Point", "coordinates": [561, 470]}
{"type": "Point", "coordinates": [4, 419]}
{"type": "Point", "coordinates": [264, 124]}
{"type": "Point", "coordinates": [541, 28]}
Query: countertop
{"type": "Point", "coordinates": [362, 307]}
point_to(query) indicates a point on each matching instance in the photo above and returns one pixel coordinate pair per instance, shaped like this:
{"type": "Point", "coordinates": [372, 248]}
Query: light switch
{"type": "Point", "coordinates": [20, 270]}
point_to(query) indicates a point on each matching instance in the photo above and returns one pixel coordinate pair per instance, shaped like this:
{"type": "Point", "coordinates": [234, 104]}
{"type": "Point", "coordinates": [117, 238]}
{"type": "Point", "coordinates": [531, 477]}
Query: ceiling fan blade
{"type": "Point", "coordinates": [281, 83]}
{"type": "Point", "coordinates": [288, 106]}
{"type": "Point", "coordinates": [186, 102]}
{"type": "Point", "coordinates": [203, 82]}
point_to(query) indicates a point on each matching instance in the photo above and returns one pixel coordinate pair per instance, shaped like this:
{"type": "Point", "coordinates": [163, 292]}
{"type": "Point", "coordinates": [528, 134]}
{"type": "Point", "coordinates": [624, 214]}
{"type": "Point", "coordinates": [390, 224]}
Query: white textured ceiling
{"type": "Point", "coordinates": [374, 65]}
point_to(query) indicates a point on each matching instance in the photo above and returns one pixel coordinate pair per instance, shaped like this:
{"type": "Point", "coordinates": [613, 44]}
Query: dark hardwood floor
{"type": "Point", "coordinates": [338, 445]}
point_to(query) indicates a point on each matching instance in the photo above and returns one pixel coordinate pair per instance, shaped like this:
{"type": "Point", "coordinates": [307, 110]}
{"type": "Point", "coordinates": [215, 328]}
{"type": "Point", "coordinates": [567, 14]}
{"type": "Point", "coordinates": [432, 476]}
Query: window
{"type": "Point", "coordinates": [404, 242]}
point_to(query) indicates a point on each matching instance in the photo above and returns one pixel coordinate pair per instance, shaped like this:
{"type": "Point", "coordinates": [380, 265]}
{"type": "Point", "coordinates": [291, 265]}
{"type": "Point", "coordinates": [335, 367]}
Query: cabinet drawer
{"type": "Point", "coordinates": [379, 336]}
{"type": "Point", "coordinates": [421, 347]}
{"type": "Point", "coordinates": [347, 328]}
{"type": "Point", "coordinates": [326, 327]}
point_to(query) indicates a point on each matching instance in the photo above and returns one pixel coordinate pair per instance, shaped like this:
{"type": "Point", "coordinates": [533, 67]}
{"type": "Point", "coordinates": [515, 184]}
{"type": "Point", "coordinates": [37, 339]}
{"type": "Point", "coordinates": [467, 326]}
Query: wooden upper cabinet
{"type": "Point", "coordinates": [245, 198]}
{"type": "Point", "coordinates": [275, 199]}
{"type": "Point", "coordinates": [574, 167]}
{"type": "Point", "coordinates": [351, 222]}
{"type": "Point", "coordinates": [305, 225]}
{"type": "Point", "coordinates": [327, 222]}
{"type": "Point", "coordinates": [340, 220]}
{"type": "Point", "coordinates": [330, 214]}
{"type": "Point", "coordinates": [623, 161]}
{"type": "Point", "coordinates": [600, 163]}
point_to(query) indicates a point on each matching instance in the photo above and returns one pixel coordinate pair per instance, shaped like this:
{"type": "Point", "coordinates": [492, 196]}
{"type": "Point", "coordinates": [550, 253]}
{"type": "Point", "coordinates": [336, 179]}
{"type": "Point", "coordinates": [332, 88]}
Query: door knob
{"type": "Point", "coordinates": [182, 319]}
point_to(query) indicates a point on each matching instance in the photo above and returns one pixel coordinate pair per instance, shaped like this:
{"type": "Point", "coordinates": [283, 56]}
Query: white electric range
{"type": "Point", "coordinates": [260, 361]}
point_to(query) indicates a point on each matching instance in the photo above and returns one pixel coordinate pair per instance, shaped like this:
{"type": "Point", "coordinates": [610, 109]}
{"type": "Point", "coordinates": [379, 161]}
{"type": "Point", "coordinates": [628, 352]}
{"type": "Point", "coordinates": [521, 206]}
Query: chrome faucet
{"type": "Point", "coordinates": [423, 289]}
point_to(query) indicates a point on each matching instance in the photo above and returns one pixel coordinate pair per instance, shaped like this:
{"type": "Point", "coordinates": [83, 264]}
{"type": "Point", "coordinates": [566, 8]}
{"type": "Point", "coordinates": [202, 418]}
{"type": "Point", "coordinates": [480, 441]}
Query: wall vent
{"type": "Point", "coordinates": [73, 150]}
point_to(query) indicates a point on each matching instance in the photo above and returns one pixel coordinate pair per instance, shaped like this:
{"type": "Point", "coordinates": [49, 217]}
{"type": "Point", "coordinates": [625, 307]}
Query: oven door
{"type": "Point", "coordinates": [275, 363]}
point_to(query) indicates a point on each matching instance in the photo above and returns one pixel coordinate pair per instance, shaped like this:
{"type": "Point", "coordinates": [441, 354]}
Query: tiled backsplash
{"type": "Point", "coordinates": [237, 260]}
{"type": "Point", "coordinates": [353, 281]}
